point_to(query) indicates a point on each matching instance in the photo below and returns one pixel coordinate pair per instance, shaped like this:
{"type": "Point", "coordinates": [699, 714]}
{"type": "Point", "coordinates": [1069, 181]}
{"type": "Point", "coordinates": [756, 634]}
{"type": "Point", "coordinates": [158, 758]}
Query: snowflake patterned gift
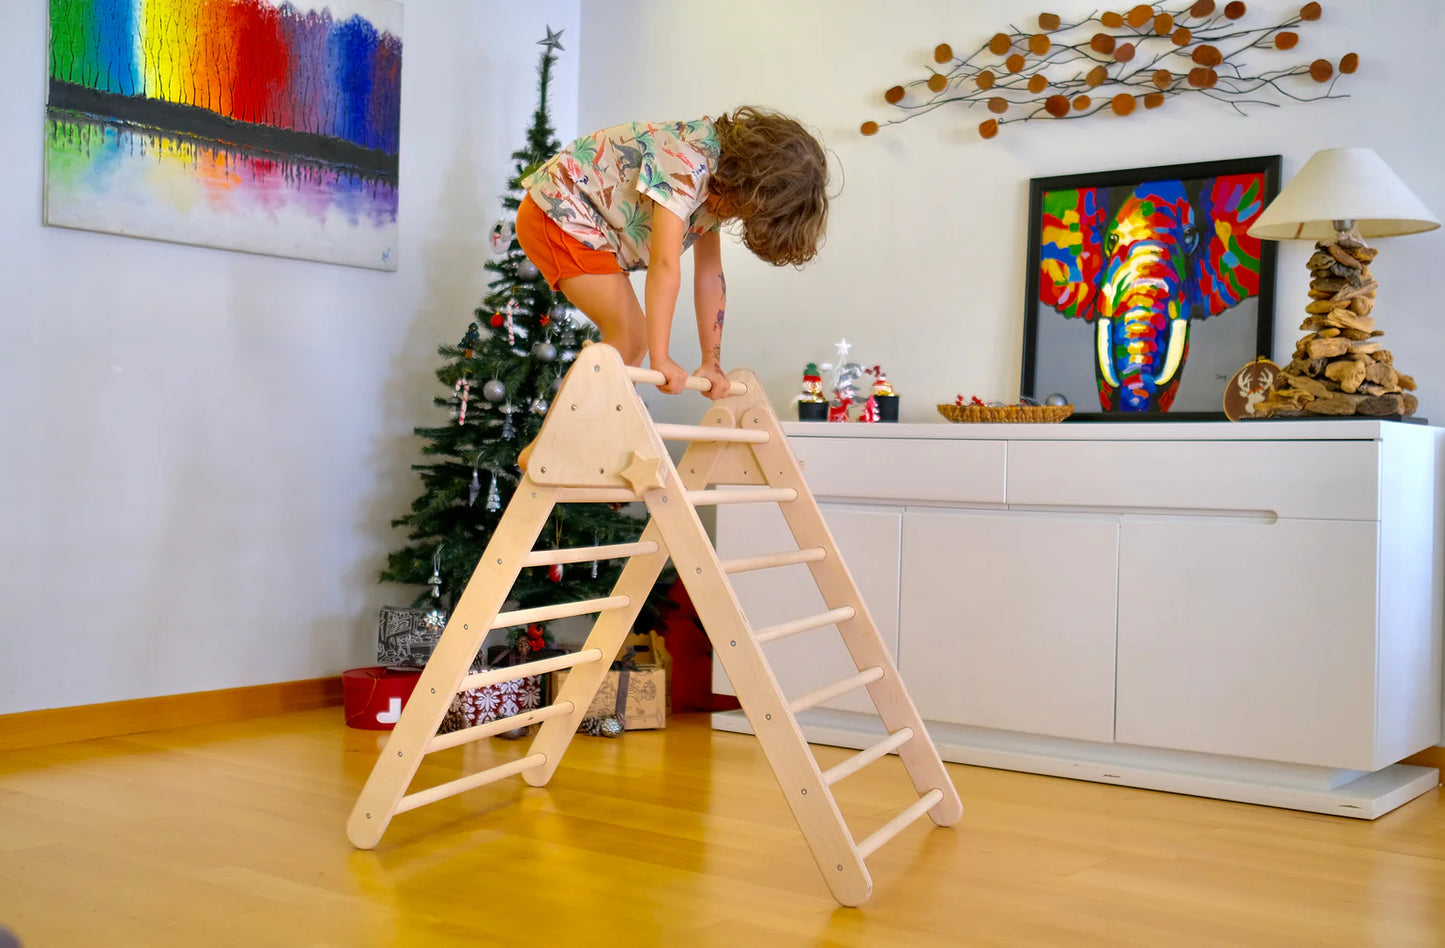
{"type": "Point", "coordinates": [481, 705]}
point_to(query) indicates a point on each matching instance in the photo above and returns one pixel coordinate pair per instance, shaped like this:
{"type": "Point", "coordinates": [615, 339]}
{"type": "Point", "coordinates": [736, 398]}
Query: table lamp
{"type": "Point", "coordinates": [1339, 198]}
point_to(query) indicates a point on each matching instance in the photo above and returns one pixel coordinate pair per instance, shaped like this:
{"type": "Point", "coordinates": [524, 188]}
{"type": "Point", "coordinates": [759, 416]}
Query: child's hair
{"type": "Point", "coordinates": [773, 176]}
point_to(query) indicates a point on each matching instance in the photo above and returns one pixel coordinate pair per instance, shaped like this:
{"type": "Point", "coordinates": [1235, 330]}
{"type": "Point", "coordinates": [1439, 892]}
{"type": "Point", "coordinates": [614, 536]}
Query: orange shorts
{"type": "Point", "coordinates": [557, 253]}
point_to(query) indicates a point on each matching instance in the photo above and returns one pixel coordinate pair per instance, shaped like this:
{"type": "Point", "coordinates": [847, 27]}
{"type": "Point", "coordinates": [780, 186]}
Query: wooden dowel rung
{"type": "Point", "coordinates": [561, 610]}
{"type": "Point", "coordinates": [496, 676]}
{"type": "Point", "coordinates": [596, 495]}
{"type": "Point", "coordinates": [581, 554]}
{"type": "Point", "coordinates": [866, 756]}
{"type": "Point", "coordinates": [894, 826]}
{"type": "Point", "coordinates": [476, 733]}
{"type": "Point", "coordinates": [462, 784]}
{"type": "Point", "coordinates": [829, 692]}
{"type": "Point", "coordinates": [694, 382]}
{"type": "Point", "coordinates": [766, 495]}
{"type": "Point", "coordinates": [713, 433]}
{"type": "Point", "coordinates": [773, 560]}
{"type": "Point", "coordinates": [781, 631]}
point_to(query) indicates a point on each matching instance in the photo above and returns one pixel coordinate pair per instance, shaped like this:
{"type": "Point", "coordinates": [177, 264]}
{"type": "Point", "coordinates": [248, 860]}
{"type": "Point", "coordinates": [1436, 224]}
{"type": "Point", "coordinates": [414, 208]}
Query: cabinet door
{"type": "Point", "coordinates": [867, 538]}
{"type": "Point", "coordinates": [1249, 638]}
{"type": "Point", "coordinates": [1007, 620]}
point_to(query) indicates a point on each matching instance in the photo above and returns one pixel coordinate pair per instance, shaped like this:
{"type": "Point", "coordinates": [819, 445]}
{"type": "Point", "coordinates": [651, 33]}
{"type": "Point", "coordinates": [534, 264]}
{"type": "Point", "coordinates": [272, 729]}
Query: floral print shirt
{"type": "Point", "coordinates": [595, 187]}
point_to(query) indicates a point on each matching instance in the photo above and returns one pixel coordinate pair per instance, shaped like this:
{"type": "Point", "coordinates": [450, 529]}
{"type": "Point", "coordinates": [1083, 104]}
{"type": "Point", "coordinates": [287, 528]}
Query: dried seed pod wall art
{"type": "Point", "coordinates": [1119, 62]}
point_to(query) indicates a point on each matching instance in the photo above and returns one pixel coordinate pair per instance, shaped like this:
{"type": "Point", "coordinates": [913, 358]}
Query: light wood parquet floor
{"type": "Point", "coordinates": [234, 835]}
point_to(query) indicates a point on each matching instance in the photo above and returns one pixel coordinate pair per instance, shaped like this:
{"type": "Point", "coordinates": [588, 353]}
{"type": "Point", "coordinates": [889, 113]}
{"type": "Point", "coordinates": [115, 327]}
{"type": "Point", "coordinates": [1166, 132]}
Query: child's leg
{"type": "Point", "coordinates": [608, 300]}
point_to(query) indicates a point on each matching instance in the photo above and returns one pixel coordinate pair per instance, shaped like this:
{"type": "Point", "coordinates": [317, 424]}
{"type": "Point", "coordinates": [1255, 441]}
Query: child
{"type": "Point", "coordinates": [635, 196]}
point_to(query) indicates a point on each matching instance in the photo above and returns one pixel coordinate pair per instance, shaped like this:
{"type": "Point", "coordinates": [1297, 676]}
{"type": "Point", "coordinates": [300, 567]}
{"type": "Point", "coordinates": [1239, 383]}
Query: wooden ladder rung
{"type": "Point", "coordinates": [581, 554]}
{"type": "Point", "coordinates": [694, 382]}
{"type": "Point", "coordinates": [867, 755]}
{"type": "Point", "coordinates": [452, 787]}
{"type": "Point", "coordinates": [781, 631]}
{"type": "Point", "coordinates": [479, 731]}
{"type": "Point", "coordinates": [772, 560]}
{"type": "Point", "coordinates": [596, 495]}
{"type": "Point", "coordinates": [496, 676]}
{"type": "Point", "coordinates": [894, 826]}
{"type": "Point", "coordinates": [713, 433]}
{"type": "Point", "coordinates": [561, 610]}
{"type": "Point", "coordinates": [764, 495]}
{"type": "Point", "coordinates": [829, 692]}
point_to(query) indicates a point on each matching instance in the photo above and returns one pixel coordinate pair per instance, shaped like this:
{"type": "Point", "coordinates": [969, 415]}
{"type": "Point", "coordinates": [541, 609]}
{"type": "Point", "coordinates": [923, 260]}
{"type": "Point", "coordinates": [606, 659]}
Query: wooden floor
{"type": "Point", "coordinates": [233, 835]}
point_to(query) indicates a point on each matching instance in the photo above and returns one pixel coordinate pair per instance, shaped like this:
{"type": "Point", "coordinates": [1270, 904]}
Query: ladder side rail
{"type": "Point", "coordinates": [450, 661]}
{"type": "Point", "coordinates": [782, 741]}
{"type": "Point", "coordinates": [610, 629]}
{"type": "Point", "coordinates": [860, 634]}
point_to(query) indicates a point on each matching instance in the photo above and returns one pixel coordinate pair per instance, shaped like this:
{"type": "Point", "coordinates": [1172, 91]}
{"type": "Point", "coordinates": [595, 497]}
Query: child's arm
{"type": "Point", "coordinates": [710, 299]}
{"type": "Point", "coordinates": [664, 278]}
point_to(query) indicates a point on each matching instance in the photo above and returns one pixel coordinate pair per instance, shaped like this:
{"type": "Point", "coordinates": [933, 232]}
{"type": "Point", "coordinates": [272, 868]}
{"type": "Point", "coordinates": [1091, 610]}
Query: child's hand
{"type": "Point", "coordinates": [675, 374]}
{"type": "Point", "coordinates": [714, 374]}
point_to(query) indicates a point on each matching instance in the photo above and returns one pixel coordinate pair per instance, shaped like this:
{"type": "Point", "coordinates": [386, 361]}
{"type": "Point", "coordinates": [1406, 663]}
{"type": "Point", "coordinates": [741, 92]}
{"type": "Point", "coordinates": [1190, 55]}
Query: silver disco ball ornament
{"type": "Point", "coordinates": [494, 391]}
{"type": "Point", "coordinates": [527, 270]}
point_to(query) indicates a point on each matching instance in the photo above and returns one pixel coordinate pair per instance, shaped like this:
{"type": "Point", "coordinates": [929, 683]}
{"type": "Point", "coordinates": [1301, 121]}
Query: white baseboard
{"type": "Point", "coordinates": [1356, 794]}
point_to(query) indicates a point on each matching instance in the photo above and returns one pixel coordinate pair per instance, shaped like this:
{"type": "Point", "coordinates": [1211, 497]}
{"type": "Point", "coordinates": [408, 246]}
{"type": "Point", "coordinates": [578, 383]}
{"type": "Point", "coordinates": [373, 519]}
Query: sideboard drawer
{"type": "Point", "coordinates": [1326, 480]}
{"type": "Point", "coordinates": [903, 469]}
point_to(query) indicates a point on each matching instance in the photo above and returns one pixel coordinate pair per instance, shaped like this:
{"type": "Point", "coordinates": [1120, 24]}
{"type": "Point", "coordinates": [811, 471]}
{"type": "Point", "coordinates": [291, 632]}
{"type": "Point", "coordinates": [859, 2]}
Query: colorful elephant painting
{"type": "Point", "coordinates": [1142, 262]}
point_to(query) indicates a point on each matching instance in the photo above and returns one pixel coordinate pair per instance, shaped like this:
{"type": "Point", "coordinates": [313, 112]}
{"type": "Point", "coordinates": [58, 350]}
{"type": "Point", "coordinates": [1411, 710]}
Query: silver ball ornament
{"type": "Point", "coordinates": [494, 391]}
{"type": "Point", "coordinates": [544, 352]}
{"type": "Point", "coordinates": [527, 270]}
{"type": "Point", "coordinates": [610, 727]}
{"type": "Point", "coordinates": [1056, 399]}
{"type": "Point", "coordinates": [539, 406]}
{"type": "Point", "coordinates": [435, 620]}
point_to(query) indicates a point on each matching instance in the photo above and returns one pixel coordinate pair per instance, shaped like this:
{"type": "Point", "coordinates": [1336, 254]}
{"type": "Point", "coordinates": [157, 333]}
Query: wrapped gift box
{"type": "Point", "coordinates": [642, 690]}
{"type": "Point", "coordinates": [481, 705]}
{"type": "Point", "coordinates": [402, 637]}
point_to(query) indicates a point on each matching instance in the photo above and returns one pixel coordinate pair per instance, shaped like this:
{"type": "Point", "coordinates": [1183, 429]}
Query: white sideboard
{"type": "Point", "coordinates": [1250, 612]}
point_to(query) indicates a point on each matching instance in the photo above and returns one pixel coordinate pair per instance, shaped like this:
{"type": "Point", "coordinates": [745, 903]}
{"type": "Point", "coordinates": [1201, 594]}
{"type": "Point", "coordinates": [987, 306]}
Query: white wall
{"type": "Point", "coordinates": [201, 451]}
{"type": "Point", "coordinates": [924, 266]}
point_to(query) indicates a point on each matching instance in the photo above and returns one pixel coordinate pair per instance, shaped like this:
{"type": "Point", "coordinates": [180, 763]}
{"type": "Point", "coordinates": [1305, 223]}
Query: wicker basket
{"type": "Point", "coordinates": [1017, 414]}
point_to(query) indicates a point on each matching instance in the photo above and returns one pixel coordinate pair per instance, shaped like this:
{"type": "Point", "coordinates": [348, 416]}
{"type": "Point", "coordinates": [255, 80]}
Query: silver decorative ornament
{"type": "Point", "coordinates": [494, 391]}
{"type": "Point", "coordinates": [509, 430]}
{"type": "Point", "coordinates": [539, 406]}
{"type": "Point", "coordinates": [544, 352]}
{"type": "Point", "coordinates": [474, 488]}
{"type": "Point", "coordinates": [556, 385]}
{"type": "Point", "coordinates": [435, 620]}
{"type": "Point", "coordinates": [611, 727]}
{"type": "Point", "coordinates": [494, 496]}
{"type": "Point", "coordinates": [527, 270]}
{"type": "Point", "coordinates": [1056, 399]}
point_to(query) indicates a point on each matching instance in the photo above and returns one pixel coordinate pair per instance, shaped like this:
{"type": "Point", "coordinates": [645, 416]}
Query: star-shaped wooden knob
{"type": "Point", "coordinates": [643, 473]}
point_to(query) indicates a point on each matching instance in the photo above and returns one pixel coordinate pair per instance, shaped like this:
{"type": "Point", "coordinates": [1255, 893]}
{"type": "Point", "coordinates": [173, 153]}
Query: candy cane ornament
{"type": "Point", "coordinates": [464, 387]}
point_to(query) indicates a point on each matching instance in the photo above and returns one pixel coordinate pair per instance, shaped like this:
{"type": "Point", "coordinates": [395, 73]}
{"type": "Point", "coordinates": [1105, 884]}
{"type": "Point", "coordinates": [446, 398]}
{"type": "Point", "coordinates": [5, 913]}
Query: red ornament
{"type": "Point", "coordinates": [544, 320]}
{"type": "Point", "coordinates": [554, 572]}
{"type": "Point", "coordinates": [496, 320]}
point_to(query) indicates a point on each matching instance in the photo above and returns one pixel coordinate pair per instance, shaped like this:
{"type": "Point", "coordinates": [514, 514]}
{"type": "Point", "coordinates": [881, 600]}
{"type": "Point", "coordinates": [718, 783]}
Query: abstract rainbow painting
{"type": "Point", "coordinates": [1146, 291]}
{"type": "Point", "coordinates": [255, 125]}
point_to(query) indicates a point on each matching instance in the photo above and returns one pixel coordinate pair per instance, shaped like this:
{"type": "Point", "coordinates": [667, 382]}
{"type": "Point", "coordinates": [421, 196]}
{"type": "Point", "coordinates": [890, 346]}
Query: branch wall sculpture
{"type": "Point", "coordinates": [1117, 61]}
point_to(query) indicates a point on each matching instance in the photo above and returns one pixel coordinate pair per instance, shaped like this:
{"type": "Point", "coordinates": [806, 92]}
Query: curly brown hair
{"type": "Point", "coordinates": [772, 176]}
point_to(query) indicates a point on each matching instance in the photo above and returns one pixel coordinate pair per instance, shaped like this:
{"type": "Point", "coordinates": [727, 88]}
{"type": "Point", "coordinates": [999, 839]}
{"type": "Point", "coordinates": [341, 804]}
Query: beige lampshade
{"type": "Point", "coordinates": [1341, 184]}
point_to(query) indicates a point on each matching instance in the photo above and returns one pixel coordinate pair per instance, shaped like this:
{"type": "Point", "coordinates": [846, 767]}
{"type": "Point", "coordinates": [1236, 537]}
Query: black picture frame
{"type": "Point", "coordinates": [1047, 347]}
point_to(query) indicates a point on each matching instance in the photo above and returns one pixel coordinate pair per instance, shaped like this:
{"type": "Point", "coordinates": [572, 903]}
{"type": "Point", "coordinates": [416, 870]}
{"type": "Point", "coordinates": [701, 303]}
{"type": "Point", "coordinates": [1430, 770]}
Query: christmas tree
{"type": "Point", "coordinates": [500, 378]}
